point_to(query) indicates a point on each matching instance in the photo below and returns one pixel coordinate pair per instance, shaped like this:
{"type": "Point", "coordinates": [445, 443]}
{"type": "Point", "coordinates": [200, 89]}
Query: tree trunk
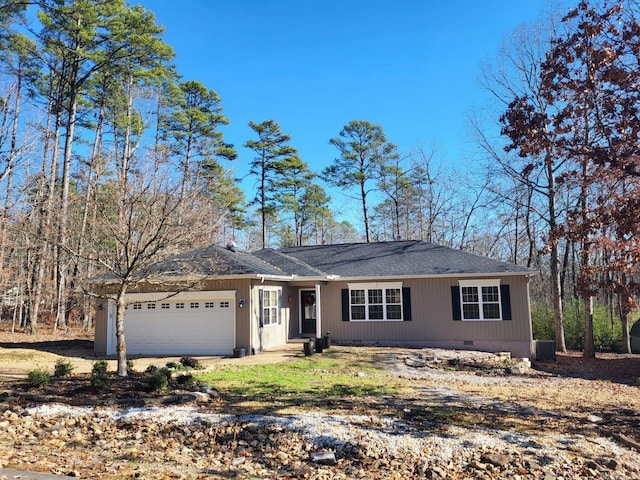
{"type": "Point", "coordinates": [9, 170]}
{"type": "Point", "coordinates": [556, 299]}
{"type": "Point", "coordinates": [532, 253]}
{"type": "Point", "coordinates": [624, 320]}
{"type": "Point", "coordinates": [363, 193]}
{"type": "Point", "coordinates": [44, 225]}
{"type": "Point", "coordinates": [555, 280]}
{"type": "Point", "coordinates": [585, 244]}
{"type": "Point", "coordinates": [589, 350]}
{"type": "Point", "coordinates": [121, 346]}
{"type": "Point", "coordinates": [263, 201]}
{"type": "Point", "coordinates": [62, 311]}
{"type": "Point", "coordinates": [81, 268]}
{"type": "Point", "coordinates": [397, 222]}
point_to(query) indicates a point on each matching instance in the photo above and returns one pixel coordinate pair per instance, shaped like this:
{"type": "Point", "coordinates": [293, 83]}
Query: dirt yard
{"type": "Point", "coordinates": [21, 353]}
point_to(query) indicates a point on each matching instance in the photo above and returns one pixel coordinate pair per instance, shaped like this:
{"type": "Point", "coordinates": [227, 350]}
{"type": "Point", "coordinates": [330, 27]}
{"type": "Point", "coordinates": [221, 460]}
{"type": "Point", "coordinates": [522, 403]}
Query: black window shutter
{"type": "Point", "coordinates": [455, 303]}
{"type": "Point", "coordinates": [260, 306]}
{"type": "Point", "coordinates": [505, 298]}
{"type": "Point", "coordinates": [406, 304]}
{"type": "Point", "coordinates": [345, 304]}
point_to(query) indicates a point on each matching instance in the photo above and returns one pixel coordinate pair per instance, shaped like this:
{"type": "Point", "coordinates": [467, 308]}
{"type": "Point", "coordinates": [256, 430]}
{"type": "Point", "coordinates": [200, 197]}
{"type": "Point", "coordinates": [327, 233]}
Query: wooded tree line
{"type": "Point", "coordinates": [570, 121]}
{"type": "Point", "coordinates": [110, 160]}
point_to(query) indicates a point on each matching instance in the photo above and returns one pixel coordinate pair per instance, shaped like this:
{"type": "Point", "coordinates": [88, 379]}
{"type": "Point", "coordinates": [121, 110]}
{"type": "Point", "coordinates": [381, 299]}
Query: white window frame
{"type": "Point", "coordinates": [367, 287]}
{"type": "Point", "coordinates": [478, 284]}
{"type": "Point", "coordinates": [273, 317]}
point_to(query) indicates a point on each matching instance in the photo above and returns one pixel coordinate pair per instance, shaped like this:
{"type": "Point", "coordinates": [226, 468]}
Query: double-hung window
{"type": "Point", "coordinates": [480, 300]}
{"type": "Point", "coordinates": [270, 305]}
{"type": "Point", "coordinates": [375, 302]}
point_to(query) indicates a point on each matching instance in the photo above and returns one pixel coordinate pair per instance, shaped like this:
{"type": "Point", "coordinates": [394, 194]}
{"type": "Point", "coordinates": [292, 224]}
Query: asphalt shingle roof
{"type": "Point", "coordinates": [288, 263]}
{"type": "Point", "coordinates": [215, 261]}
{"type": "Point", "coordinates": [402, 258]}
{"type": "Point", "coordinates": [384, 259]}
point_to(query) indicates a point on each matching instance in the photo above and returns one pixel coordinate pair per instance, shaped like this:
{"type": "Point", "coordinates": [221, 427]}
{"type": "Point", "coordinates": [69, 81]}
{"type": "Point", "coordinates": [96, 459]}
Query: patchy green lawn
{"type": "Point", "coordinates": [317, 380]}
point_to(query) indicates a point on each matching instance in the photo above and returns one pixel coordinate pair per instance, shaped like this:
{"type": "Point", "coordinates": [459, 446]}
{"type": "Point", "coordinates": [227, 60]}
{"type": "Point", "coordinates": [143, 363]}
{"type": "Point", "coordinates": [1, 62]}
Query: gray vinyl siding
{"type": "Point", "coordinates": [101, 328]}
{"type": "Point", "coordinates": [432, 317]}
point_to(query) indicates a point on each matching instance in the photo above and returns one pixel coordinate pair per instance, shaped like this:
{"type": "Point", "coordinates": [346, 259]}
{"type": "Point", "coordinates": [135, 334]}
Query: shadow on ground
{"type": "Point", "coordinates": [612, 367]}
{"type": "Point", "coordinates": [70, 348]}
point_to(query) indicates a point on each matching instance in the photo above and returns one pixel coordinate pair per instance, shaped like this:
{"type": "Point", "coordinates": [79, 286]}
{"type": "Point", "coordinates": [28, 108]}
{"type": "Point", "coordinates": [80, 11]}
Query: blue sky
{"type": "Point", "coordinates": [411, 66]}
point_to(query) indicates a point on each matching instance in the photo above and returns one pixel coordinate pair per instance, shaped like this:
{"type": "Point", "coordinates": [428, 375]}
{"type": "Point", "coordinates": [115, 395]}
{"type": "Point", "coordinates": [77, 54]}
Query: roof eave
{"type": "Point", "coordinates": [194, 278]}
{"type": "Point", "coordinates": [318, 278]}
{"type": "Point", "coordinates": [436, 275]}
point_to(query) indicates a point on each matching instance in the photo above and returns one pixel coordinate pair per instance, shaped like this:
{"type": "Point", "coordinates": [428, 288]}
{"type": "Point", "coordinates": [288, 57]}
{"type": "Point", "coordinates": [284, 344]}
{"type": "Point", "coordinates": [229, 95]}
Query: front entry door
{"type": "Point", "coordinates": [308, 309]}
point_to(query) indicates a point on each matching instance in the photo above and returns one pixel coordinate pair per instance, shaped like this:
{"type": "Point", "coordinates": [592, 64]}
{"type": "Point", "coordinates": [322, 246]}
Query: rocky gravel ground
{"type": "Point", "coordinates": [466, 416]}
{"type": "Point", "coordinates": [187, 442]}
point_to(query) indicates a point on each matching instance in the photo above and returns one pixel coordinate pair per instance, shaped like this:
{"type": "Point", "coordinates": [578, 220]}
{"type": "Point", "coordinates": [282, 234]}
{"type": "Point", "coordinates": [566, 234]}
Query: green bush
{"type": "Point", "coordinates": [101, 366]}
{"type": "Point", "coordinates": [63, 368]}
{"type": "Point", "coordinates": [606, 336]}
{"type": "Point", "coordinates": [174, 366]}
{"type": "Point", "coordinates": [130, 366]}
{"type": "Point", "coordinates": [574, 325]}
{"type": "Point", "coordinates": [542, 322]}
{"type": "Point", "coordinates": [191, 362]}
{"type": "Point", "coordinates": [166, 370]}
{"type": "Point", "coordinates": [38, 377]}
{"type": "Point", "coordinates": [151, 369]}
{"type": "Point", "coordinates": [186, 380]}
{"type": "Point", "coordinates": [99, 377]}
{"type": "Point", "coordinates": [157, 381]}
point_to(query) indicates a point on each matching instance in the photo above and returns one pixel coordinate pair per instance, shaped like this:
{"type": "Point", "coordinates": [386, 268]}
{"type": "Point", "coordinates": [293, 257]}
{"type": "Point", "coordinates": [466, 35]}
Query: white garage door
{"type": "Point", "coordinates": [181, 326]}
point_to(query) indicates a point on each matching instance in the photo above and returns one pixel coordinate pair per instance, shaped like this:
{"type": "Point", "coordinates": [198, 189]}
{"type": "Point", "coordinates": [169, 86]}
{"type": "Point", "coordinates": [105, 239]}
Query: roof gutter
{"type": "Point", "coordinates": [282, 278]}
{"type": "Point", "coordinates": [439, 275]}
{"type": "Point", "coordinates": [191, 278]}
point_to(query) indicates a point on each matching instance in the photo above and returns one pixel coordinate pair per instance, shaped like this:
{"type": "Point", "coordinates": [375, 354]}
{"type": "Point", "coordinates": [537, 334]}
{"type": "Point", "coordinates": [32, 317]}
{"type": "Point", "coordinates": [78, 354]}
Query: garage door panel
{"type": "Point", "coordinates": [181, 331]}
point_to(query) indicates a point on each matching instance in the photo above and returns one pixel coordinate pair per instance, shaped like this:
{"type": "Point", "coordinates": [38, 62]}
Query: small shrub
{"type": "Point", "coordinates": [99, 377]}
{"type": "Point", "coordinates": [157, 381]}
{"type": "Point", "coordinates": [63, 368]}
{"type": "Point", "coordinates": [186, 380]}
{"type": "Point", "coordinates": [101, 366]}
{"type": "Point", "coordinates": [191, 362]}
{"type": "Point", "coordinates": [151, 369]}
{"type": "Point", "coordinates": [99, 382]}
{"type": "Point", "coordinates": [173, 366]}
{"type": "Point", "coordinates": [130, 366]}
{"type": "Point", "coordinates": [38, 377]}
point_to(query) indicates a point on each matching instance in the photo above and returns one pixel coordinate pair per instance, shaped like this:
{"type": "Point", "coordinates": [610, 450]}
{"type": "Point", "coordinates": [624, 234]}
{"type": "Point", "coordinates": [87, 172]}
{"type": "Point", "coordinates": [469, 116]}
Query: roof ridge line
{"type": "Point", "coordinates": [297, 261]}
{"type": "Point", "coordinates": [239, 254]}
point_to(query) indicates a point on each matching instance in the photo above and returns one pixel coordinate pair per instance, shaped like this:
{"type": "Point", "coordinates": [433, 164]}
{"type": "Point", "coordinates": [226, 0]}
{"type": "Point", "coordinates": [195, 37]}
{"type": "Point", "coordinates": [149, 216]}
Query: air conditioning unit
{"type": "Point", "coordinates": [545, 350]}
